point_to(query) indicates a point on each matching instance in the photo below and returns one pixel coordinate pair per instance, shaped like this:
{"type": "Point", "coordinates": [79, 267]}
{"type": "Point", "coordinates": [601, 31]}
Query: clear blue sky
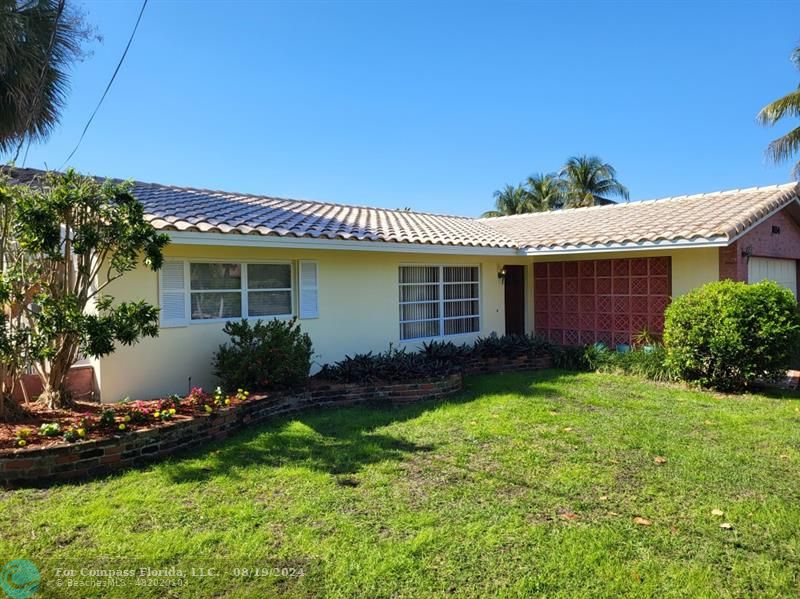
{"type": "Point", "coordinates": [430, 105]}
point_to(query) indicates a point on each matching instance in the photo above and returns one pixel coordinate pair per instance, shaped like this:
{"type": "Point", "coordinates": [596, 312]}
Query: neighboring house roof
{"type": "Point", "coordinates": [704, 219]}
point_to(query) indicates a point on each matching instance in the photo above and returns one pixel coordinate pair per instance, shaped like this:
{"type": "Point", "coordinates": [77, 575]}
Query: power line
{"type": "Point", "coordinates": [108, 87]}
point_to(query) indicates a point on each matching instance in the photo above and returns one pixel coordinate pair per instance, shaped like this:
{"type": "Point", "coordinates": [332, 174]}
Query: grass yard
{"type": "Point", "coordinates": [525, 484]}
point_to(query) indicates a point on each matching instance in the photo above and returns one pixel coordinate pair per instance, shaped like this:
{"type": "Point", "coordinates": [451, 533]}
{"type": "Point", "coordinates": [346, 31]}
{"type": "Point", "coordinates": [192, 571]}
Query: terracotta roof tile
{"type": "Point", "coordinates": [188, 209]}
{"type": "Point", "coordinates": [718, 216]}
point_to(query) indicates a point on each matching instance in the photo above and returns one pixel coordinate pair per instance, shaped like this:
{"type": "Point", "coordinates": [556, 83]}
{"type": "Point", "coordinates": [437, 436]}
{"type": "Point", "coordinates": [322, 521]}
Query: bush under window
{"type": "Point", "coordinates": [728, 335]}
{"type": "Point", "coordinates": [268, 355]}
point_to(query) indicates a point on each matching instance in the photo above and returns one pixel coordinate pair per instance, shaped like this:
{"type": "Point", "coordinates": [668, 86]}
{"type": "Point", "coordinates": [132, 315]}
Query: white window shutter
{"type": "Point", "coordinates": [173, 293]}
{"type": "Point", "coordinates": [309, 290]}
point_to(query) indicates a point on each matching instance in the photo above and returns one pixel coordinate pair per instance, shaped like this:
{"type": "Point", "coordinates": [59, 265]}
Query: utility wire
{"type": "Point", "coordinates": [108, 87]}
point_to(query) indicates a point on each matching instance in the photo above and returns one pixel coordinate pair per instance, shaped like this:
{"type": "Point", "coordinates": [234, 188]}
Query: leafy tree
{"type": "Point", "coordinates": [70, 237]}
{"type": "Point", "coordinates": [590, 181]}
{"type": "Point", "coordinates": [510, 200]}
{"type": "Point", "coordinates": [788, 106]}
{"type": "Point", "coordinates": [545, 192]}
{"type": "Point", "coordinates": [18, 276]}
{"type": "Point", "coordinates": [39, 41]}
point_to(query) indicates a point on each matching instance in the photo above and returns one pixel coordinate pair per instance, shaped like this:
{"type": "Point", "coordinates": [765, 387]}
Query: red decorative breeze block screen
{"type": "Point", "coordinates": [608, 301]}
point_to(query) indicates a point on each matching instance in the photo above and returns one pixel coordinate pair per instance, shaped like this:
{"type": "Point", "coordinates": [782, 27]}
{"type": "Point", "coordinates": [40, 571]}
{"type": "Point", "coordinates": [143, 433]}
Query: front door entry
{"type": "Point", "coordinates": [515, 299]}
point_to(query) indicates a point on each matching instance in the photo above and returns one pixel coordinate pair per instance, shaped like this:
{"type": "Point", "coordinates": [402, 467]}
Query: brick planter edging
{"type": "Point", "coordinates": [503, 364]}
{"type": "Point", "coordinates": [69, 461]}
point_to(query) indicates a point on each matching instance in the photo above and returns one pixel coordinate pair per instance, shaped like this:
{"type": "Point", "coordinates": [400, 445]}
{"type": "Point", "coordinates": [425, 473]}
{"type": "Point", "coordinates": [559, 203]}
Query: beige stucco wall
{"type": "Point", "coordinates": [358, 312]}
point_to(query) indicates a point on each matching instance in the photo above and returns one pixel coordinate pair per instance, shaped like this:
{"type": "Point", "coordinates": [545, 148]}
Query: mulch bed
{"type": "Point", "coordinates": [38, 414]}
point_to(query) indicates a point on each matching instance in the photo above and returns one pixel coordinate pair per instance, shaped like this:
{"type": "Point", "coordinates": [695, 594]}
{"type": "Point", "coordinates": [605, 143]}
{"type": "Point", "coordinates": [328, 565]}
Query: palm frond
{"type": "Point", "coordinates": [788, 105]}
{"type": "Point", "coordinates": [785, 147]}
{"type": "Point", "coordinates": [38, 44]}
{"type": "Point", "coordinates": [545, 191]}
{"type": "Point", "coordinates": [588, 179]}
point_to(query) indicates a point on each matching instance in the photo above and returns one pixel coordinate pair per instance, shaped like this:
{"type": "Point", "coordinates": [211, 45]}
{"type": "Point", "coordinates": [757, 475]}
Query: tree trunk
{"type": "Point", "coordinates": [54, 379]}
{"type": "Point", "coordinates": [10, 410]}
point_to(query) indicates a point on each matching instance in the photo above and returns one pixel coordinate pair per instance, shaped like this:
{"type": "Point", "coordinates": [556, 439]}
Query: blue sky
{"type": "Point", "coordinates": [429, 105]}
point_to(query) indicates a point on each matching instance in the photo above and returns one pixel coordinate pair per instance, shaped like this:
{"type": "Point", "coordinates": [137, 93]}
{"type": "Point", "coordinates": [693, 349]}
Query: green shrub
{"type": "Point", "coordinates": [268, 355]}
{"type": "Point", "coordinates": [445, 351]}
{"type": "Point", "coordinates": [727, 335]}
{"type": "Point", "coordinates": [649, 363]}
{"type": "Point", "coordinates": [393, 365]}
{"type": "Point", "coordinates": [574, 357]}
{"type": "Point", "coordinates": [510, 346]}
{"type": "Point", "coordinates": [434, 359]}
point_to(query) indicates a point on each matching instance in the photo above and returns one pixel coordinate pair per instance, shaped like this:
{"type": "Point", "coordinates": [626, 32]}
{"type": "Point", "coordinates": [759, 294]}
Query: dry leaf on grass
{"type": "Point", "coordinates": [642, 521]}
{"type": "Point", "coordinates": [659, 459]}
{"type": "Point", "coordinates": [568, 516]}
{"type": "Point", "coordinates": [726, 526]}
{"type": "Point", "coordinates": [603, 497]}
{"type": "Point", "coordinates": [717, 512]}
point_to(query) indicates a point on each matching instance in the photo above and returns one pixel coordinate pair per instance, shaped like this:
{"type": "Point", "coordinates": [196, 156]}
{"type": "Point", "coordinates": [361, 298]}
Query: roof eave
{"type": "Point", "coordinates": [721, 241]}
{"type": "Point", "coordinates": [316, 243]}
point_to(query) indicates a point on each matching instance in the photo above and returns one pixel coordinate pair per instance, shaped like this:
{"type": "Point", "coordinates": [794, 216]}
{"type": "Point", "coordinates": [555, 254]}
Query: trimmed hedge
{"type": "Point", "coordinates": [727, 335]}
{"type": "Point", "coordinates": [434, 359]}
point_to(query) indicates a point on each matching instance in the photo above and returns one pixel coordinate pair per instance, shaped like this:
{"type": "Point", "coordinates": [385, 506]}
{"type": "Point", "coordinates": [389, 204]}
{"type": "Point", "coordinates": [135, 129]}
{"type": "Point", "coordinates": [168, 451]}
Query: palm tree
{"type": "Point", "coordinates": [789, 105]}
{"type": "Point", "coordinates": [591, 182]}
{"type": "Point", "coordinates": [511, 200]}
{"type": "Point", "coordinates": [39, 41]}
{"type": "Point", "coordinates": [545, 192]}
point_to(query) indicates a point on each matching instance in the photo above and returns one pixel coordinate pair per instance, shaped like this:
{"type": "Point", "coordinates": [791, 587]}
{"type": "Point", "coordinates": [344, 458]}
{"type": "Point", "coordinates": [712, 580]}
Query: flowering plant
{"type": "Point", "coordinates": [107, 419]}
{"type": "Point", "coordinates": [138, 413]}
{"type": "Point", "coordinates": [74, 433]}
{"type": "Point", "coordinates": [86, 422]}
{"type": "Point", "coordinates": [50, 429]}
{"type": "Point", "coordinates": [165, 410]}
{"type": "Point", "coordinates": [23, 434]}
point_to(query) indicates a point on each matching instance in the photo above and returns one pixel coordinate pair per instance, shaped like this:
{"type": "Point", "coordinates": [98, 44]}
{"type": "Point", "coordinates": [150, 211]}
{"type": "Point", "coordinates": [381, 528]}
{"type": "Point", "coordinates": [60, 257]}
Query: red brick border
{"type": "Point", "coordinates": [44, 465]}
{"type": "Point", "coordinates": [502, 364]}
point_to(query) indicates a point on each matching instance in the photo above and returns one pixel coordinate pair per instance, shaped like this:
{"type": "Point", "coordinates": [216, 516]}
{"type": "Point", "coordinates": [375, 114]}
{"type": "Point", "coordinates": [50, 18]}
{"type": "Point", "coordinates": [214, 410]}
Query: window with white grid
{"type": "Point", "coordinates": [222, 290]}
{"type": "Point", "coordinates": [269, 289]}
{"type": "Point", "coordinates": [436, 301]}
{"type": "Point", "coordinates": [215, 290]}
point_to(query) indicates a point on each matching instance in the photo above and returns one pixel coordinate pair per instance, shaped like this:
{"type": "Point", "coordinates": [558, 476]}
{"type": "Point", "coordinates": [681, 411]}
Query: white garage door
{"type": "Point", "coordinates": [783, 272]}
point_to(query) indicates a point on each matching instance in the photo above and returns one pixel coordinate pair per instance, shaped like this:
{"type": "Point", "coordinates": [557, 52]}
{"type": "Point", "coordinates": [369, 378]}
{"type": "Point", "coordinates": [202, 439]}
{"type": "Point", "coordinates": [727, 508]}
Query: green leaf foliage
{"type": "Point", "coordinates": [267, 355]}
{"type": "Point", "coordinates": [728, 335]}
{"type": "Point", "coordinates": [64, 238]}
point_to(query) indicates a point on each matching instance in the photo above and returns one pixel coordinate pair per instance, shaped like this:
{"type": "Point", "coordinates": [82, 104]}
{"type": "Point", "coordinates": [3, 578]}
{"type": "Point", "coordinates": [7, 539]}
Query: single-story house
{"type": "Point", "coordinates": [361, 278]}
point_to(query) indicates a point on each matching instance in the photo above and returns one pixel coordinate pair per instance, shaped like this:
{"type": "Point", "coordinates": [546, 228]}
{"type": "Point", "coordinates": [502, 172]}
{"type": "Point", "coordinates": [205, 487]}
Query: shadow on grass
{"type": "Point", "coordinates": [340, 441]}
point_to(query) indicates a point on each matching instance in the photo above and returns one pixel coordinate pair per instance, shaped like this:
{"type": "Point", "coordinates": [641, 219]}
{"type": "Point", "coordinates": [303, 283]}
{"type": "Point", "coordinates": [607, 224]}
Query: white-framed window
{"type": "Point", "coordinates": [207, 291]}
{"type": "Point", "coordinates": [437, 301]}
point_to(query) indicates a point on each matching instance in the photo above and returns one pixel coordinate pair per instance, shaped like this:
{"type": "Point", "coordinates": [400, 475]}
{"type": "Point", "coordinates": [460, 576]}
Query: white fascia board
{"type": "Point", "coordinates": [270, 241]}
{"type": "Point", "coordinates": [630, 247]}
{"type": "Point", "coordinates": [767, 216]}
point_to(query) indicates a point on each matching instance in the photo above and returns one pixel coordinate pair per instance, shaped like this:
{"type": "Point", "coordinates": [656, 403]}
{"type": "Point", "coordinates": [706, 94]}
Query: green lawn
{"type": "Point", "coordinates": [524, 484]}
